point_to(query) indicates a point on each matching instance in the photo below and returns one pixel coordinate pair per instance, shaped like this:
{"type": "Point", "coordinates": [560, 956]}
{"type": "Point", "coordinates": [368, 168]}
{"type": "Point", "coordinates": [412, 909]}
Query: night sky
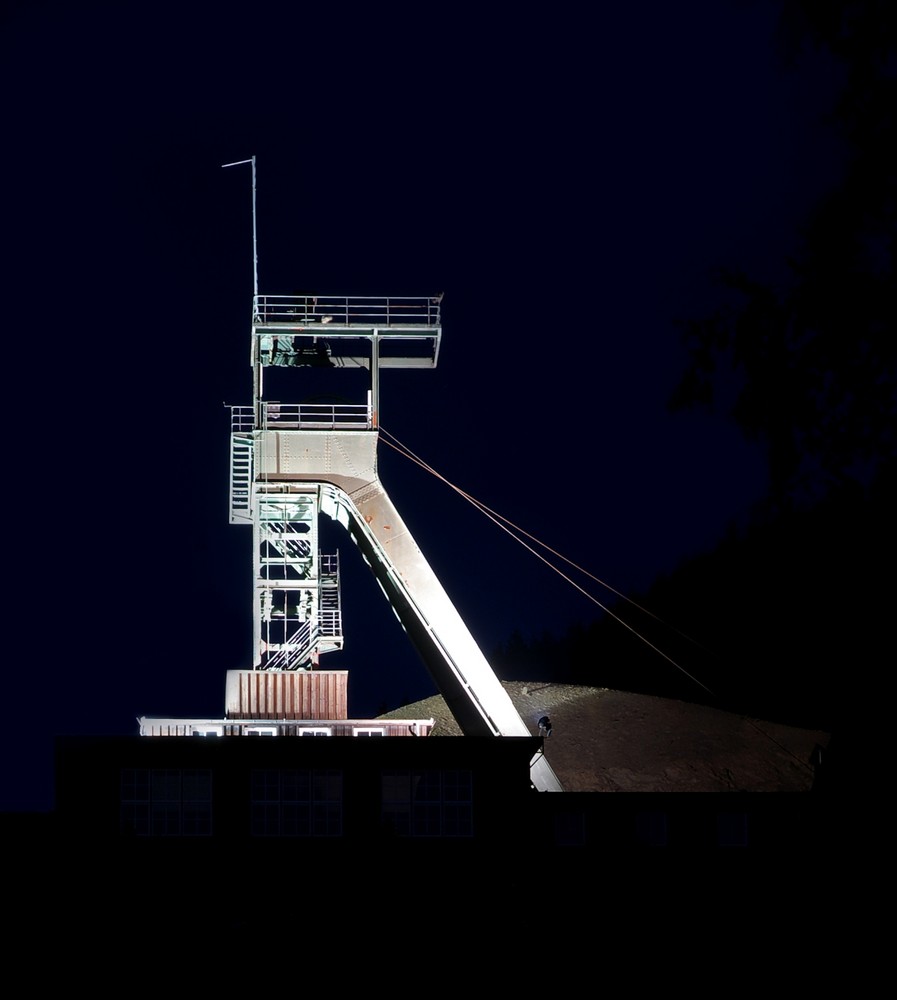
{"type": "Point", "coordinates": [571, 183]}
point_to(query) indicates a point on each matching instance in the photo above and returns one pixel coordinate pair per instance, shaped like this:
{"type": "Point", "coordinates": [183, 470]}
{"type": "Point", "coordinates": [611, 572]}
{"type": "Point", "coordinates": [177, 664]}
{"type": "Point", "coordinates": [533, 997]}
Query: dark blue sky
{"type": "Point", "coordinates": [570, 183]}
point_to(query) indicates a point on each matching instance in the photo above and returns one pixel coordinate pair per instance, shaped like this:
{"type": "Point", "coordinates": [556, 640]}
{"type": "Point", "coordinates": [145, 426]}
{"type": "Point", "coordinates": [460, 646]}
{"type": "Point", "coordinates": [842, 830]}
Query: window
{"type": "Point", "coordinates": [166, 802]}
{"type": "Point", "coordinates": [570, 829]}
{"type": "Point", "coordinates": [316, 731]}
{"type": "Point", "coordinates": [260, 731]}
{"type": "Point", "coordinates": [368, 731]}
{"type": "Point", "coordinates": [652, 829]}
{"type": "Point", "coordinates": [296, 802]}
{"type": "Point", "coordinates": [427, 803]}
{"type": "Point", "coordinates": [732, 830]}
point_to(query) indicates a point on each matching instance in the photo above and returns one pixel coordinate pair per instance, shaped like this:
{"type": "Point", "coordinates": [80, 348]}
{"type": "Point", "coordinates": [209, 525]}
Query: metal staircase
{"type": "Point", "coordinates": [297, 595]}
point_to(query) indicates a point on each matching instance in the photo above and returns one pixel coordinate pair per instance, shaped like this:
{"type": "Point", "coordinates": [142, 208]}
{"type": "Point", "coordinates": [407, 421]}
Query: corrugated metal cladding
{"type": "Point", "coordinates": [294, 694]}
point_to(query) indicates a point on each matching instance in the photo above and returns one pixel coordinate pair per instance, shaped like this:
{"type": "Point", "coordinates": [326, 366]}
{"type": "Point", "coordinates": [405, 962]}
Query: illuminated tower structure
{"type": "Point", "coordinates": [294, 462]}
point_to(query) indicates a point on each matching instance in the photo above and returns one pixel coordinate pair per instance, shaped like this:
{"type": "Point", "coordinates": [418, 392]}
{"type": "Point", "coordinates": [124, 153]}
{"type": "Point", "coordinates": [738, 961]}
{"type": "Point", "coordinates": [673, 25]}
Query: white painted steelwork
{"type": "Point", "coordinates": [278, 727]}
{"type": "Point", "coordinates": [291, 462]}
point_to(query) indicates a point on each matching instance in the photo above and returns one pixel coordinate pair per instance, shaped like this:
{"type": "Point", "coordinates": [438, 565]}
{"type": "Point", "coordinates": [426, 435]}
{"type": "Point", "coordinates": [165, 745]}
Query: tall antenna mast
{"type": "Point", "coordinates": [255, 255]}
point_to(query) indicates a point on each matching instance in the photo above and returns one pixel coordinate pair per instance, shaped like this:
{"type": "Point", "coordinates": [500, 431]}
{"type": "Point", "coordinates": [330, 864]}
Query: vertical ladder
{"type": "Point", "coordinates": [240, 479]}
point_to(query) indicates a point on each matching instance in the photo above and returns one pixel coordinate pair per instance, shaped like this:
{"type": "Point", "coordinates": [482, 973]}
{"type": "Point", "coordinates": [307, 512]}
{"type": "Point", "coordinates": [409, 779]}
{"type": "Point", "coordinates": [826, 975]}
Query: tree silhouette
{"type": "Point", "coordinates": [809, 367]}
{"type": "Point", "coordinates": [814, 362]}
{"type": "Point", "coordinates": [792, 615]}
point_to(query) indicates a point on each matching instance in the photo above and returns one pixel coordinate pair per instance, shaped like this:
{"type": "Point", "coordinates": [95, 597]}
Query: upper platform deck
{"type": "Point", "coordinates": [414, 321]}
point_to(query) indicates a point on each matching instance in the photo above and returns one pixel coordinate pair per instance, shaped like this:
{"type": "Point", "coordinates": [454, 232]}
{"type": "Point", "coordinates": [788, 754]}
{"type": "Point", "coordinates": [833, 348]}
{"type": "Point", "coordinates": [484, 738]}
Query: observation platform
{"type": "Point", "coordinates": [339, 331]}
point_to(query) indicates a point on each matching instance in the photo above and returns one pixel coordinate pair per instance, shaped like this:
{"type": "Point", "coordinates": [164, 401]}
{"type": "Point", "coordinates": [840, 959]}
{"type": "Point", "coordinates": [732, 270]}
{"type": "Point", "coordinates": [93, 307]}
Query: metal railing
{"type": "Point", "coordinates": [316, 416]}
{"type": "Point", "coordinates": [347, 310]}
{"type": "Point", "coordinates": [330, 621]}
{"type": "Point", "coordinates": [242, 419]}
{"type": "Point", "coordinates": [309, 416]}
{"type": "Point", "coordinates": [292, 653]}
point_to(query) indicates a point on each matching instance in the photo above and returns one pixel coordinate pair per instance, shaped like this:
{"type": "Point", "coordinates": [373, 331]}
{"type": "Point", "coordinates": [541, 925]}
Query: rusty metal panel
{"type": "Point", "coordinates": [294, 694]}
